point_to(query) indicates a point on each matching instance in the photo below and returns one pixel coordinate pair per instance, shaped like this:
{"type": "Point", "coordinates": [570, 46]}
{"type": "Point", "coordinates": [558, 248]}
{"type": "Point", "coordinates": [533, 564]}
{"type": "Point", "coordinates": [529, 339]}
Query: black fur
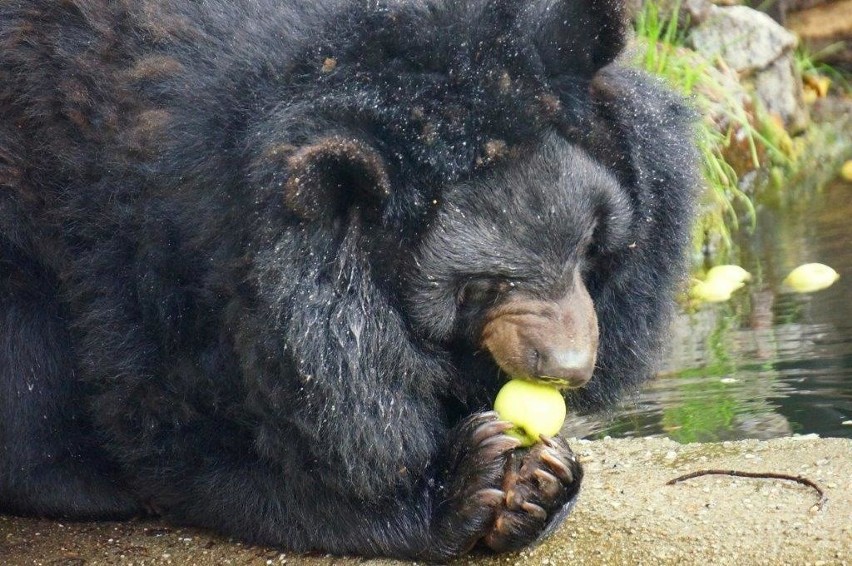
{"type": "Point", "coordinates": [234, 235]}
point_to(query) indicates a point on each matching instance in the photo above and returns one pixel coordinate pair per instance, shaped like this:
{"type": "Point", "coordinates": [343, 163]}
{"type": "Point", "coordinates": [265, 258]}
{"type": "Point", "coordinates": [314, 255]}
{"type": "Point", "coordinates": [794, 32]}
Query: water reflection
{"type": "Point", "coordinates": [765, 364]}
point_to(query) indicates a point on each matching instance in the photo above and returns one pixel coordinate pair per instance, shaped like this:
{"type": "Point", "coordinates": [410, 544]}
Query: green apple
{"type": "Point", "coordinates": [533, 408]}
{"type": "Point", "coordinates": [720, 283]}
{"type": "Point", "coordinates": [811, 277]}
{"type": "Point", "coordinates": [715, 290]}
{"type": "Point", "coordinates": [733, 273]}
{"type": "Point", "coordinates": [846, 171]}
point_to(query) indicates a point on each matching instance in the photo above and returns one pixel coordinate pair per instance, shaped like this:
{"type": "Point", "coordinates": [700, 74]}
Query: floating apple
{"type": "Point", "coordinates": [720, 283]}
{"type": "Point", "coordinates": [733, 273]}
{"type": "Point", "coordinates": [811, 277]}
{"type": "Point", "coordinates": [846, 171]}
{"type": "Point", "coordinates": [714, 290]}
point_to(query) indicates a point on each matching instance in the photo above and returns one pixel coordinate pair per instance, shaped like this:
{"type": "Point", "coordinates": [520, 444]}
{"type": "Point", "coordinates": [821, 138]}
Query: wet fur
{"type": "Point", "coordinates": [177, 335]}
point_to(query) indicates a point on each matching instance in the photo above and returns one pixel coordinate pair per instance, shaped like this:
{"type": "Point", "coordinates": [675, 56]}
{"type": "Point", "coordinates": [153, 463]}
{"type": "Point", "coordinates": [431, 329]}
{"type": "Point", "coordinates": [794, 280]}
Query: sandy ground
{"type": "Point", "coordinates": [627, 515]}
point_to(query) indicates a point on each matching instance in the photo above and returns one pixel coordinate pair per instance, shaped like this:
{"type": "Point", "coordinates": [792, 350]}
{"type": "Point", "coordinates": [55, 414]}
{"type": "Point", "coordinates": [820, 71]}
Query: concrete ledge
{"type": "Point", "coordinates": [627, 515]}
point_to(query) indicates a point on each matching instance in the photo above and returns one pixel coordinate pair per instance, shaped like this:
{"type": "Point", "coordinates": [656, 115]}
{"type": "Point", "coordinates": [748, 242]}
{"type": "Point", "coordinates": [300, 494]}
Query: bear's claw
{"type": "Point", "coordinates": [538, 491]}
{"type": "Point", "coordinates": [471, 493]}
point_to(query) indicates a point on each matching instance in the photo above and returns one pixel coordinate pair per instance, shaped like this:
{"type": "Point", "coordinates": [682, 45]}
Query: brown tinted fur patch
{"type": "Point", "coordinates": [165, 26]}
{"type": "Point", "coordinates": [78, 119]}
{"type": "Point", "coordinates": [148, 131]}
{"type": "Point", "coordinates": [77, 103]}
{"type": "Point", "coordinates": [550, 105]}
{"type": "Point", "coordinates": [75, 91]}
{"type": "Point", "coordinates": [492, 151]}
{"type": "Point", "coordinates": [504, 342]}
{"type": "Point", "coordinates": [156, 67]}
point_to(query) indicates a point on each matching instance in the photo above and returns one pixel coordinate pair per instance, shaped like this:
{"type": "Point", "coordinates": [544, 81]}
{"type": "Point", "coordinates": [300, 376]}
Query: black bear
{"type": "Point", "coordinates": [265, 263]}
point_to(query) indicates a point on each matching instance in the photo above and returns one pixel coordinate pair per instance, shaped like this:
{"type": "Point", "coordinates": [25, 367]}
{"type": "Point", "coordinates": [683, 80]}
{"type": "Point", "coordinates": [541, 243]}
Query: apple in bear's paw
{"type": "Point", "coordinates": [534, 409]}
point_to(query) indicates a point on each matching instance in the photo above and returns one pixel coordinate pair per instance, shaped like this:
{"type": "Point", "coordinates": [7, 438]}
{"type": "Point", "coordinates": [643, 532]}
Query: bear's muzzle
{"type": "Point", "coordinates": [552, 341]}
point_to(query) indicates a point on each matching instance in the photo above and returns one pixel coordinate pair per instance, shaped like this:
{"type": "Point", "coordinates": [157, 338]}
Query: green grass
{"type": "Point", "coordinates": [811, 63]}
{"type": "Point", "coordinates": [746, 133]}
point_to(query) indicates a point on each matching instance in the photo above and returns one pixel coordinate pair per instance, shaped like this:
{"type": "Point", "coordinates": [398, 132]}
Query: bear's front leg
{"type": "Point", "coordinates": [479, 489]}
{"type": "Point", "coordinates": [467, 490]}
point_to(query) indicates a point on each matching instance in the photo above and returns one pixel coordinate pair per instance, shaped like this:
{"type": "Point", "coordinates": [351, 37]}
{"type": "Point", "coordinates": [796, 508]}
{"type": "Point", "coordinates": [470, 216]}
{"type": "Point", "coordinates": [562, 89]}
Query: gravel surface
{"type": "Point", "coordinates": [627, 515]}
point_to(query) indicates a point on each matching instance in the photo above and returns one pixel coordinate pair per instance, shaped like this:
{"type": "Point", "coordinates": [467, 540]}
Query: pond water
{"type": "Point", "coordinates": [765, 364]}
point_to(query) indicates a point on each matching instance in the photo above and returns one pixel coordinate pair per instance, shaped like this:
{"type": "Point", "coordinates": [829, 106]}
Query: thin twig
{"type": "Point", "coordinates": [760, 475]}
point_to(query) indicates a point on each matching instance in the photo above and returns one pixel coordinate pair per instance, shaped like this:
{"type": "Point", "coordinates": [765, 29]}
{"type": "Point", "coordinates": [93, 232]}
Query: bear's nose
{"type": "Point", "coordinates": [572, 367]}
{"type": "Point", "coordinates": [551, 341]}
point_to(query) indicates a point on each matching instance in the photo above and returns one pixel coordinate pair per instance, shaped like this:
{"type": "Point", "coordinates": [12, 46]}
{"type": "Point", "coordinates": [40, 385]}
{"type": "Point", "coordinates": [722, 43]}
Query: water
{"type": "Point", "coordinates": [766, 364]}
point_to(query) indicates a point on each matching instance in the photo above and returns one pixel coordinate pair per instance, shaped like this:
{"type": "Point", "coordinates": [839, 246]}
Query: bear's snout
{"type": "Point", "coordinates": [553, 341]}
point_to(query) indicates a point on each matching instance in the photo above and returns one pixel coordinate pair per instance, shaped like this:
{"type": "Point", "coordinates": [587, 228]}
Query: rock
{"type": "Point", "coordinates": [698, 10]}
{"type": "Point", "coordinates": [833, 109]}
{"type": "Point", "coordinates": [691, 12]}
{"type": "Point", "coordinates": [746, 39]}
{"type": "Point", "coordinates": [778, 88]}
{"type": "Point", "coordinates": [761, 52]}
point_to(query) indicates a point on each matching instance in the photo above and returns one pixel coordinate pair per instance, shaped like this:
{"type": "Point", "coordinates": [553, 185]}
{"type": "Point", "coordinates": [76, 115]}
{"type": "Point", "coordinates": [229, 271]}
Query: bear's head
{"type": "Point", "coordinates": [459, 174]}
{"type": "Point", "coordinates": [508, 264]}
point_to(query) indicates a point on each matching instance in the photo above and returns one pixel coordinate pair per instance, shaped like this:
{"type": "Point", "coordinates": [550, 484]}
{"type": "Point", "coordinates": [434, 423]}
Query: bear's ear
{"type": "Point", "coordinates": [332, 175]}
{"type": "Point", "coordinates": [578, 37]}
